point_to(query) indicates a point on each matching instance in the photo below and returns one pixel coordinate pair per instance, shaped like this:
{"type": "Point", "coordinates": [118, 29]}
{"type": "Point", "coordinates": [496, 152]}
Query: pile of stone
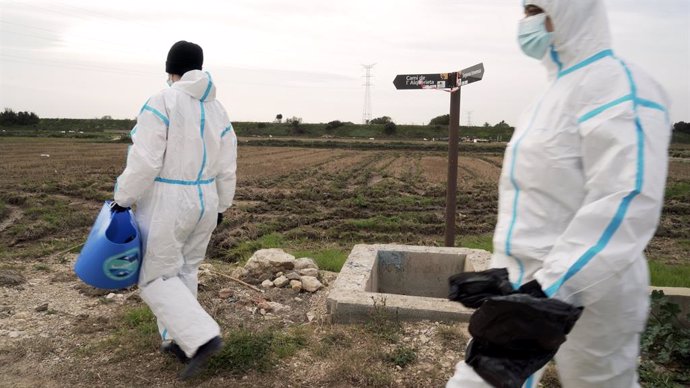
{"type": "Point", "coordinates": [276, 268]}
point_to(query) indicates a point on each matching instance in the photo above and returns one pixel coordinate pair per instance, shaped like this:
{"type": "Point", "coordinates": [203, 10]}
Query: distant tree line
{"type": "Point", "coordinates": [10, 117]}
{"type": "Point", "coordinates": [682, 127]}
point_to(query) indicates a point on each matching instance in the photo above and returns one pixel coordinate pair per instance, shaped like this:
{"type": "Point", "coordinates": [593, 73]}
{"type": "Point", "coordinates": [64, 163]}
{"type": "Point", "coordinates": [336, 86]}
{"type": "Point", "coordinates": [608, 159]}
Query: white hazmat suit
{"type": "Point", "coordinates": [180, 173]}
{"type": "Point", "coordinates": [580, 197]}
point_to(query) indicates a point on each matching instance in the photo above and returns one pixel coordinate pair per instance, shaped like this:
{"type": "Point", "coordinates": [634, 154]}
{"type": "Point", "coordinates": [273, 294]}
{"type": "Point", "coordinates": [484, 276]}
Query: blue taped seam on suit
{"type": "Point", "coordinates": [629, 97]}
{"type": "Point", "coordinates": [208, 88]}
{"type": "Point", "coordinates": [146, 103]}
{"type": "Point", "coordinates": [604, 107]}
{"type": "Point", "coordinates": [556, 59]}
{"type": "Point", "coordinates": [618, 217]}
{"type": "Point", "coordinates": [203, 160]}
{"type": "Point", "coordinates": [165, 334]}
{"type": "Point", "coordinates": [651, 104]}
{"type": "Point", "coordinates": [157, 113]}
{"type": "Point", "coordinates": [530, 382]}
{"type": "Point", "coordinates": [586, 62]}
{"type": "Point", "coordinates": [226, 130]}
{"type": "Point", "coordinates": [133, 131]}
{"type": "Point", "coordinates": [185, 183]}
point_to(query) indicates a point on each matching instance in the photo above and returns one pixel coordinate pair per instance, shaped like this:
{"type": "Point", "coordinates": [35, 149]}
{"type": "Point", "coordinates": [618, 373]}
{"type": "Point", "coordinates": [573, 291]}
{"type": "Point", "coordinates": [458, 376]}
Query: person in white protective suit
{"type": "Point", "coordinates": [181, 175]}
{"type": "Point", "coordinates": [581, 192]}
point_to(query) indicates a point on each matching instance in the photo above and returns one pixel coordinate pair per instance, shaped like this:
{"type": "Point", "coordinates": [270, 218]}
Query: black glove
{"type": "Point", "coordinates": [515, 335]}
{"type": "Point", "coordinates": [532, 288]}
{"type": "Point", "coordinates": [114, 207]}
{"type": "Point", "coordinates": [220, 219]}
{"type": "Point", "coordinates": [473, 288]}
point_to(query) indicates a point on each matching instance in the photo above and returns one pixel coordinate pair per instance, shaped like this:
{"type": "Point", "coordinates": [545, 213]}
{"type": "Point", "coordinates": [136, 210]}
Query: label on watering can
{"type": "Point", "coordinates": [122, 266]}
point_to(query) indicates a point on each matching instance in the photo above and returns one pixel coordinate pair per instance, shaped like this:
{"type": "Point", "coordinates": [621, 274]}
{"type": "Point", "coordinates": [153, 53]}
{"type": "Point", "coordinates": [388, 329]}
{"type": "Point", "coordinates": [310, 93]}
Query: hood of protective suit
{"type": "Point", "coordinates": [581, 29]}
{"type": "Point", "coordinates": [197, 84]}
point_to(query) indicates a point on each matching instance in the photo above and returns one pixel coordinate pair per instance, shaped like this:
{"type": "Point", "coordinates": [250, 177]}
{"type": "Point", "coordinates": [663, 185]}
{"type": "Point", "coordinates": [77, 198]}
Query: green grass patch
{"type": "Point", "coordinates": [246, 350]}
{"type": "Point", "coordinates": [327, 259]}
{"type": "Point", "coordinates": [402, 356]}
{"type": "Point", "coordinates": [41, 267]}
{"type": "Point", "coordinates": [287, 344]}
{"type": "Point", "coordinates": [664, 275]}
{"type": "Point", "coordinates": [483, 241]}
{"type": "Point", "coordinates": [678, 190]}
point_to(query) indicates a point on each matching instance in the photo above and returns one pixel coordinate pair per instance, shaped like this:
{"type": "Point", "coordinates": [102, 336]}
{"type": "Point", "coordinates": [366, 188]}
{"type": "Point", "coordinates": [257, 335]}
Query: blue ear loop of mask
{"type": "Point", "coordinates": [532, 35]}
{"type": "Point", "coordinates": [169, 82]}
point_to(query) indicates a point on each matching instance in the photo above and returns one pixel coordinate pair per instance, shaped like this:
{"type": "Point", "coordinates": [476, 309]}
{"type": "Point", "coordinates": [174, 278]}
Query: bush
{"type": "Point", "coordinates": [665, 344]}
{"type": "Point", "coordinates": [390, 128]}
{"type": "Point", "coordinates": [9, 117]}
{"type": "Point", "coordinates": [334, 124]}
{"type": "Point", "coordinates": [380, 120]}
{"type": "Point", "coordinates": [440, 120]}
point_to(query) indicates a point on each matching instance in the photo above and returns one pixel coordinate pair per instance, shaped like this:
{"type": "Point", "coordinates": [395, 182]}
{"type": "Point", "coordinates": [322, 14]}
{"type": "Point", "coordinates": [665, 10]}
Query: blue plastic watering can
{"type": "Point", "coordinates": [111, 257]}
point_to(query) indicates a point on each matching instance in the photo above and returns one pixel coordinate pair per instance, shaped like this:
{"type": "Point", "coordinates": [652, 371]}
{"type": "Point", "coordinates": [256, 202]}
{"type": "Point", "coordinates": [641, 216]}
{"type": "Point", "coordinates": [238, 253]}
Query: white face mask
{"type": "Point", "coordinates": [532, 35]}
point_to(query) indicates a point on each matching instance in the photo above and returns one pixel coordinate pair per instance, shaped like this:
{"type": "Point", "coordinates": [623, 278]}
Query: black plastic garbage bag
{"type": "Point", "coordinates": [515, 335]}
{"type": "Point", "coordinates": [473, 288]}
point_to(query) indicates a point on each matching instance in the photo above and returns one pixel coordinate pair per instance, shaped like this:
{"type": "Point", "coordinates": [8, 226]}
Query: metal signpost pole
{"type": "Point", "coordinates": [452, 188]}
{"type": "Point", "coordinates": [449, 82]}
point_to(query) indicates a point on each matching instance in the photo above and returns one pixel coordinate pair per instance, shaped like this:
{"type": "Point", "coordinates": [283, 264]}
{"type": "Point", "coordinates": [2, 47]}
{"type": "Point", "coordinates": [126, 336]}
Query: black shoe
{"type": "Point", "coordinates": [172, 348]}
{"type": "Point", "coordinates": [203, 354]}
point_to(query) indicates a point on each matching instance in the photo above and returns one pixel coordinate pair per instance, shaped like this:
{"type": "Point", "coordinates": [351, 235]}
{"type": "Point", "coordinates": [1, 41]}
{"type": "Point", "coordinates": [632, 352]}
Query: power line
{"type": "Point", "coordinates": [366, 115]}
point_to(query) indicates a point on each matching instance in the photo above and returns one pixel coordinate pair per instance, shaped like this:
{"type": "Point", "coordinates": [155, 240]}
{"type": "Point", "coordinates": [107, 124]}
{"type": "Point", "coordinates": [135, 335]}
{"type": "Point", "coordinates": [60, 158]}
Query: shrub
{"type": "Point", "coordinates": [390, 128]}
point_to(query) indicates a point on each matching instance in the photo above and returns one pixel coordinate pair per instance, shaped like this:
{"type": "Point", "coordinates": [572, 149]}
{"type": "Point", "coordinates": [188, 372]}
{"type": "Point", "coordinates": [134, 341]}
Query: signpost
{"type": "Point", "coordinates": [449, 82]}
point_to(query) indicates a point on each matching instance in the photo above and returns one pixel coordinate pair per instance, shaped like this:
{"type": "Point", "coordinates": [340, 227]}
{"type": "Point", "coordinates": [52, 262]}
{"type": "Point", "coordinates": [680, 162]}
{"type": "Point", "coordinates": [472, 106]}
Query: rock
{"type": "Point", "coordinates": [239, 273]}
{"type": "Point", "coordinates": [309, 272]}
{"type": "Point", "coordinates": [273, 258]}
{"type": "Point", "coordinates": [42, 307]}
{"type": "Point", "coordinates": [305, 262]}
{"type": "Point", "coordinates": [279, 274]}
{"type": "Point", "coordinates": [11, 278]}
{"type": "Point", "coordinates": [311, 284]}
{"type": "Point", "coordinates": [310, 317]}
{"type": "Point", "coordinates": [5, 311]}
{"type": "Point", "coordinates": [267, 284]}
{"type": "Point", "coordinates": [205, 273]}
{"type": "Point", "coordinates": [264, 305]}
{"type": "Point", "coordinates": [266, 262]}
{"type": "Point", "coordinates": [296, 285]}
{"type": "Point", "coordinates": [281, 281]}
{"type": "Point", "coordinates": [206, 267]}
{"type": "Point", "coordinates": [423, 339]}
{"type": "Point", "coordinates": [277, 307]}
{"type": "Point", "coordinates": [110, 296]}
{"type": "Point", "coordinates": [14, 334]}
{"type": "Point", "coordinates": [225, 293]}
{"type": "Point", "coordinates": [21, 315]}
{"type": "Point", "coordinates": [293, 276]}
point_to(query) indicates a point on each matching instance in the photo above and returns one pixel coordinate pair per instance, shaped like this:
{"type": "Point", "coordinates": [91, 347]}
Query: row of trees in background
{"type": "Point", "coordinates": [682, 127]}
{"type": "Point", "coordinates": [10, 117]}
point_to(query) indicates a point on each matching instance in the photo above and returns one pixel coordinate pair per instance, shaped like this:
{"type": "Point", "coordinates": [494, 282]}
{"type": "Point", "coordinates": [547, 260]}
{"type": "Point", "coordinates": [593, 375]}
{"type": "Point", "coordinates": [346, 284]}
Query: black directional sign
{"type": "Point", "coordinates": [425, 81]}
{"type": "Point", "coordinates": [471, 74]}
{"type": "Point", "coordinates": [440, 80]}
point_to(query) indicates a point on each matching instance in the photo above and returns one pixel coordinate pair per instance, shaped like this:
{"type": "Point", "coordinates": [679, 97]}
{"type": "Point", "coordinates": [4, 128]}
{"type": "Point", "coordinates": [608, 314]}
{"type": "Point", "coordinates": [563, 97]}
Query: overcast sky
{"type": "Point", "coordinates": [85, 59]}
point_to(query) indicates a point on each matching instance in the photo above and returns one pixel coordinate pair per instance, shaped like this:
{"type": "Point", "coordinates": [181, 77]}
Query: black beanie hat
{"type": "Point", "coordinates": [184, 56]}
